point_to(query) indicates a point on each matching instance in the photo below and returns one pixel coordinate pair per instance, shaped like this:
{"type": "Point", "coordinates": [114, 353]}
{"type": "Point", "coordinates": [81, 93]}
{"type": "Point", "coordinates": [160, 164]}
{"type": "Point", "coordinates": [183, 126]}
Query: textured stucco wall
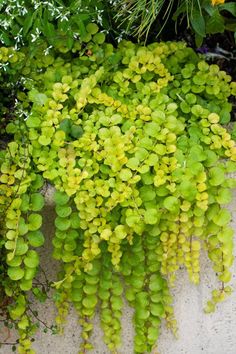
{"type": "Point", "coordinates": [198, 333]}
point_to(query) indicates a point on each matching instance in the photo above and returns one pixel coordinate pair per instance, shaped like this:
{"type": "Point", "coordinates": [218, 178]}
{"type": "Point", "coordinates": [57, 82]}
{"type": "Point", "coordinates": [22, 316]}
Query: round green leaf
{"type": "Point", "coordinates": [22, 227]}
{"type": "Point", "coordinates": [26, 285]}
{"type": "Point", "coordinates": [37, 201]}
{"type": "Point", "coordinates": [35, 238]}
{"type": "Point", "coordinates": [92, 28]}
{"type": "Point", "coordinates": [222, 218]}
{"type": "Point", "coordinates": [217, 176]}
{"type": "Point", "coordinates": [224, 196]}
{"type": "Point", "coordinates": [33, 122]}
{"type": "Point", "coordinates": [99, 38]}
{"type": "Point", "coordinates": [63, 211]}
{"type": "Point", "coordinates": [75, 220]}
{"type": "Point", "coordinates": [133, 163]}
{"type": "Point", "coordinates": [76, 131]}
{"type": "Point", "coordinates": [157, 309]}
{"type": "Point", "coordinates": [30, 273]}
{"type": "Point", "coordinates": [156, 282]}
{"type": "Point", "coordinates": [62, 223]}
{"type": "Point", "coordinates": [15, 273]}
{"type": "Point", "coordinates": [125, 174]}
{"type": "Point", "coordinates": [151, 216]}
{"type": "Point", "coordinates": [44, 140]}
{"type": "Point", "coordinates": [171, 203]}
{"type": "Point", "coordinates": [142, 313]}
{"type": "Point", "coordinates": [90, 301]}
{"type": "Point", "coordinates": [76, 295]}
{"type": "Point", "coordinates": [34, 221]}
{"type": "Point", "coordinates": [116, 303]}
{"type": "Point", "coordinates": [32, 259]}
{"type": "Point", "coordinates": [61, 198]}
{"type": "Point", "coordinates": [21, 247]}
{"type": "Point", "coordinates": [90, 289]}
{"type": "Point", "coordinates": [153, 333]}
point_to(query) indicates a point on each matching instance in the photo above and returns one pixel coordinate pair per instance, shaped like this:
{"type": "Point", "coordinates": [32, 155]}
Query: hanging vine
{"type": "Point", "coordinates": [132, 141]}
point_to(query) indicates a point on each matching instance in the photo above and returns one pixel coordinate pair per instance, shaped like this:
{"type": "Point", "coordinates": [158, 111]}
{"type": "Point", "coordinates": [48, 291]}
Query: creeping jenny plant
{"type": "Point", "coordinates": [131, 139]}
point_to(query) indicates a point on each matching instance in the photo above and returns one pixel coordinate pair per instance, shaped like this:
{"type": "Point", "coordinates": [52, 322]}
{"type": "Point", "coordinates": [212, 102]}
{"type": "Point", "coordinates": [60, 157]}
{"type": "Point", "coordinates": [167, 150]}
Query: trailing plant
{"type": "Point", "coordinates": [132, 141]}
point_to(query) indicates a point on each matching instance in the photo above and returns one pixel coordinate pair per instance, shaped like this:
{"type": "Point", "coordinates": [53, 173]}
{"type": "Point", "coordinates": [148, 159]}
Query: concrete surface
{"type": "Point", "coordinates": [198, 333]}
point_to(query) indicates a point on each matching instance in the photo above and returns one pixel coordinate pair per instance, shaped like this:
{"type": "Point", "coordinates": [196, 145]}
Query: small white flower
{"type": "Point", "coordinates": [4, 66]}
{"type": "Point", "coordinates": [5, 24]}
{"type": "Point", "coordinates": [37, 31]}
{"type": "Point", "coordinates": [33, 37]}
{"type": "Point", "coordinates": [47, 50]}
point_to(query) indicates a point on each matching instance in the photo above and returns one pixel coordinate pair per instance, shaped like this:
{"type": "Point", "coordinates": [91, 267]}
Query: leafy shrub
{"type": "Point", "coordinates": [203, 17]}
{"type": "Point", "coordinates": [131, 140]}
{"type": "Point", "coordinates": [206, 18]}
{"type": "Point", "coordinates": [60, 22]}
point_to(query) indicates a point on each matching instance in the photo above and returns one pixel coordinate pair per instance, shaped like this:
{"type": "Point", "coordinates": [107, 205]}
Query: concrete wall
{"type": "Point", "coordinates": [198, 333]}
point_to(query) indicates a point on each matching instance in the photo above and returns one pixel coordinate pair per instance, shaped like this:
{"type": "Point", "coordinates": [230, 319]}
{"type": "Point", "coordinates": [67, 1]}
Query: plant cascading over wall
{"type": "Point", "coordinates": [131, 140]}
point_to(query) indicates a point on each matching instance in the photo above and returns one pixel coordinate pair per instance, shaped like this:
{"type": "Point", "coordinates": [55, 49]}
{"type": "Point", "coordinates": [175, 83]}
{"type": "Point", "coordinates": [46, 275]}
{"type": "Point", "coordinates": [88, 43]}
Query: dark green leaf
{"type": "Point", "coordinates": [215, 23]}
{"type": "Point", "coordinates": [229, 6]}
{"type": "Point", "coordinates": [198, 23]}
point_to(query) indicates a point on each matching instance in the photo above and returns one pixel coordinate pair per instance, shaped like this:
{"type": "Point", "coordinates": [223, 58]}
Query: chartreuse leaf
{"type": "Point", "coordinates": [151, 216]}
{"type": "Point", "coordinates": [171, 203]}
{"type": "Point", "coordinates": [31, 259]}
{"type": "Point", "coordinates": [133, 163]}
{"type": "Point", "coordinates": [21, 247]}
{"type": "Point", "coordinates": [75, 220]}
{"type": "Point", "coordinates": [217, 176]}
{"type": "Point", "coordinates": [188, 190]}
{"type": "Point", "coordinates": [35, 238]}
{"type": "Point", "coordinates": [30, 273]}
{"type": "Point", "coordinates": [37, 201]}
{"type": "Point", "coordinates": [62, 223]}
{"type": "Point", "coordinates": [34, 221]}
{"type": "Point", "coordinates": [224, 196]}
{"type": "Point", "coordinates": [33, 122]}
{"type": "Point", "coordinates": [26, 285]}
{"type": "Point", "coordinates": [156, 282]}
{"type": "Point", "coordinates": [89, 301]}
{"type": "Point", "coordinates": [22, 227]}
{"type": "Point", "coordinates": [157, 309]}
{"type": "Point", "coordinates": [147, 193]}
{"type": "Point", "coordinates": [142, 313]}
{"type": "Point", "coordinates": [222, 218]}
{"type": "Point", "coordinates": [153, 333]}
{"type": "Point", "coordinates": [125, 174]}
{"type": "Point", "coordinates": [61, 198]}
{"type": "Point", "coordinates": [15, 273]}
{"type": "Point", "coordinates": [17, 311]}
{"type": "Point", "coordinates": [63, 211]}
{"type": "Point", "coordinates": [90, 289]}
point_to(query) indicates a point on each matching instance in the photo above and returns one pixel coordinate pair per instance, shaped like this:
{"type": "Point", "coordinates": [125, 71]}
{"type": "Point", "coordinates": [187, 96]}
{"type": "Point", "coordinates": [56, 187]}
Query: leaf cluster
{"type": "Point", "coordinates": [131, 139]}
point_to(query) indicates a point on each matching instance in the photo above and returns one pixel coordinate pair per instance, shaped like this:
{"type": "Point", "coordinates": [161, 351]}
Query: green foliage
{"type": "Point", "coordinates": [29, 22]}
{"type": "Point", "coordinates": [203, 17]}
{"type": "Point", "coordinates": [132, 141]}
{"type": "Point", "coordinates": [206, 17]}
{"type": "Point", "coordinates": [62, 23]}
